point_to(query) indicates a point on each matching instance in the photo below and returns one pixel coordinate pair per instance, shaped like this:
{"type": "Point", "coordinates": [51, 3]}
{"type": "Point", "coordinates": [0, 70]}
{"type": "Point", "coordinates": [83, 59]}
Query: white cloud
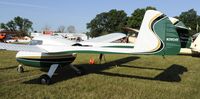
{"type": "Point", "coordinates": [21, 4]}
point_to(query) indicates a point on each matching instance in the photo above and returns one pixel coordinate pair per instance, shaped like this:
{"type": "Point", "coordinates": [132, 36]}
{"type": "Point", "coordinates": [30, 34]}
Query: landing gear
{"type": "Point", "coordinates": [102, 56]}
{"type": "Point", "coordinates": [46, 78]}
{"type": "Point", "coordinates": [78, 70]}
{"type": "Point", "coordinates": [20, 68]}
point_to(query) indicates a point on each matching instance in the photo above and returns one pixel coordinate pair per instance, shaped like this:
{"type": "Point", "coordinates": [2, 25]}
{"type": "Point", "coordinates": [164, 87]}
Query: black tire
{"type": "Point", "coordinates": [20, 69]}
{"type": "Point", "coordinates": [45, 79]}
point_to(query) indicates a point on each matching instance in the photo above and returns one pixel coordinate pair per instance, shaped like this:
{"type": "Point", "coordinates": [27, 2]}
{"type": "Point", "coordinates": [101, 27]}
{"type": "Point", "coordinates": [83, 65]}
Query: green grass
{"type": "Point", "coordinates": [122, 77]}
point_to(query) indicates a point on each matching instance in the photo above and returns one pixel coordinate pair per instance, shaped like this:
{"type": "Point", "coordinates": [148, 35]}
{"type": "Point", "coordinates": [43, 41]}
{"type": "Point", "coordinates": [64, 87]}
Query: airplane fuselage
{"type": "Point", "coordinates": [37, 59]}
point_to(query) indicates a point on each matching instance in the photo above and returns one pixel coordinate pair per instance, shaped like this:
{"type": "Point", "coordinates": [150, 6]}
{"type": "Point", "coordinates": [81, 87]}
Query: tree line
{"type": "Point", "coordinates": [114, 20]}
{"type": "Point", "coordinates": [105, 22]}
{"type": "Point", "coordinates": [23, 26]}
{"type": "Point", "coordinates": [19, 25]}
{"type": "Point", "coordinates": [61, 29]}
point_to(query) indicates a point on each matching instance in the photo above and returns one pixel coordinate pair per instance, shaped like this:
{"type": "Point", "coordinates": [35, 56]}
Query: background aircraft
{"type": "Point", "coordinates": [152, 40]}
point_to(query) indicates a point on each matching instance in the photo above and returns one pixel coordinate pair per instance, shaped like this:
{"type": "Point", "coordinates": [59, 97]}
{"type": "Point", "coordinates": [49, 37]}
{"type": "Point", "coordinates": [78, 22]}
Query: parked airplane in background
{"type": "Point", "coordinates": [194, 49]}
{"type": "Point", "coordinates": [152, 40]}
{"type": "Point", "coordinates": [187, 46]}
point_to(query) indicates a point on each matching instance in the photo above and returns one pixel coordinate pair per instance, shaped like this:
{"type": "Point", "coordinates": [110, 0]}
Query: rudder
{"type": "Point", "coordinates": [157, 35]}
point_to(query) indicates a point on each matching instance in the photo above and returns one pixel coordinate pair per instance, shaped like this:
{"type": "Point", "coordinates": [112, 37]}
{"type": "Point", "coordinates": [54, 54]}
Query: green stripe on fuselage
{"type": "Point", "coordinates": [36, 63]}
{"type": "Point", "coordinates": [91, 52]}
{"type": "Point", "coordinates": [119, 46]}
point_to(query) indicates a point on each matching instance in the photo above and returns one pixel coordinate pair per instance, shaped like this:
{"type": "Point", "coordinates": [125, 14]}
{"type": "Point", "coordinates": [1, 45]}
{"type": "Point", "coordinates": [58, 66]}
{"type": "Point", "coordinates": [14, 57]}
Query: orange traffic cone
{"type": "Point", "coordinates": [91, 61]}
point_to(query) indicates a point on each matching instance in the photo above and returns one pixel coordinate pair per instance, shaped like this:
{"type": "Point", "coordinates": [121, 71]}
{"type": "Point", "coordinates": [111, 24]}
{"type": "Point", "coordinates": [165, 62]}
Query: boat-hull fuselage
{"type": "Point", "coordinates": [36, 59]}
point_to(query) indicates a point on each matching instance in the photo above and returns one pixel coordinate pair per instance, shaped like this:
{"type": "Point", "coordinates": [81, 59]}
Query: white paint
{"type": "Point", "coordinates": [196, 44]}
{"type": "Point", "coordinates": [147, 40]}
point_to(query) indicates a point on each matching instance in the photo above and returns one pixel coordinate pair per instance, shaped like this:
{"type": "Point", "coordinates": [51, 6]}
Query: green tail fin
{"type": "Point", "coordinates": [157, 35]}
{"type": "Point", "coordinates": [168, 35]}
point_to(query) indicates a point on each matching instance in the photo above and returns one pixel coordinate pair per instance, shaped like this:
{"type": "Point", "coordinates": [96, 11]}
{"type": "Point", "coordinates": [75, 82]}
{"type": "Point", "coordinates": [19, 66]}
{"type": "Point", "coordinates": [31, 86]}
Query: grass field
{"type": "Point", "coordinates": [121, 77]}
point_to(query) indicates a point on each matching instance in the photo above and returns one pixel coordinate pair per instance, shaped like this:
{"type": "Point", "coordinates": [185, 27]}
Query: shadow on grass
{"type": "Point", "coordinates": [196, 55]}
{"type": "Point", "coordinates": [65, 73]}
{"type": "Point", "coordinates": [139, 67]}
{"type": "Point", "coordinates": [11, 67]}
{"type": "Point", "coordinates": [171, 74]}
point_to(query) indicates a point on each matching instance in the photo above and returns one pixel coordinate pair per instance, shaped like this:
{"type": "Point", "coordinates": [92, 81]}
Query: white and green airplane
{"type": "Point", "coordinates": [157, 36]}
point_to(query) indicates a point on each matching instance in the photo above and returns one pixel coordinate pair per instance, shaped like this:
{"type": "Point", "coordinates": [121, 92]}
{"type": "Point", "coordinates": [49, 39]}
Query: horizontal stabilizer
{"type": "Point", "coordinates": [20, 47]}
{"type": "Point", "coordinates": [107, 38]}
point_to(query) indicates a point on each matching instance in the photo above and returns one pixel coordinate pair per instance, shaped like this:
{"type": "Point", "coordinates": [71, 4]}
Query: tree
{"type": "Point", "coordinates": [191, 20]}
{"type": "Point", "coordinates": [135, 20]}
{"type": "Point", "coordinates": [20, 25]}
{"type": "Point", "coordinates": [88, 34]}
{"type": "Point", "coordinates": [198, 24]}
{"type": "Point", "coordinates": [71, 29]}
{"type": "Point", "coordinates": [61, 29]}
{"type": "Point", "coordinates": [9, 26]}
{"type": "Point", "coordinates": [107, 22]}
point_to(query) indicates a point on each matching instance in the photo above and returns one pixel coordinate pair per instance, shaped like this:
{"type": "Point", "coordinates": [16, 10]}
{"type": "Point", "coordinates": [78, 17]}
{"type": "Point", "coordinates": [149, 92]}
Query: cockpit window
{"type": "Point", "coordinates": [35, 42]}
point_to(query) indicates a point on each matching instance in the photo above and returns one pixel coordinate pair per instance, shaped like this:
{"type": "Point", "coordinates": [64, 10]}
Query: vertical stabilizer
{"type": "Point", "coordinates": [157, 35]}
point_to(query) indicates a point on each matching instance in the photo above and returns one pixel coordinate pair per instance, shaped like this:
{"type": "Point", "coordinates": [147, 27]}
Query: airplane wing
{"type": "Point", "coordinates": [106, 38]}
{"type": "Point", "coordinates": [132, 29]}
{"type": "Point", "coordinates": [21, 47]}
{"type": "Point", "coordinates": [102, 41]}
{"type": "Point", "coordinates": [48, 41]}
{"type": "Point", "coordinates": [85, 49]}
{"type": "Point", "coordinates": [177, 23]}
{"type": "Point", "coordinates": [52, 40]}
{"type": "Point", "coordinates": [64, 49]}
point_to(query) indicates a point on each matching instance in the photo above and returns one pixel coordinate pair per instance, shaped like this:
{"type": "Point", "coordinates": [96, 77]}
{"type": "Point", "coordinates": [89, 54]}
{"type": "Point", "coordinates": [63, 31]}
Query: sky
{"type": "Point", "coordinates": [55, 13]}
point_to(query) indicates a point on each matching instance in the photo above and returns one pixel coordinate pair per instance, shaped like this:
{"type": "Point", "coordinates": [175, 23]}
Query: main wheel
{"type": "Point", "coordinates": [45, 79]}
{"type": "Point", "coordinates": [20, 69]}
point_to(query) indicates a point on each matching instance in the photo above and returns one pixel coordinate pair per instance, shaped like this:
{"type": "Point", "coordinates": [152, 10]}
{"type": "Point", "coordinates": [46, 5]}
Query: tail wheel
{"type": "Point", "coordinates": [20, 69]}
{"type": "Point", "coordinates": [45, 79]}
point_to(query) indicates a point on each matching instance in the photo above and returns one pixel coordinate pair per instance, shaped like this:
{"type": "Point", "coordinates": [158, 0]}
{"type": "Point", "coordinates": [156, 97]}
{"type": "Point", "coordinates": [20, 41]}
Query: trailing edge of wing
{"type": "Point", "coordinates": [107, 38]}
{"type": "Point", "coordinates": [80, 49]}
{"type": "Point", "coordinates": [20, 47]}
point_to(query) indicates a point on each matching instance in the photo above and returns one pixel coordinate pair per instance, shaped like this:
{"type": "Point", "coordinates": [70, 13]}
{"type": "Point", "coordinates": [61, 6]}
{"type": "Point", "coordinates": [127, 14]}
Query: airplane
{"type": "Point", "coordinates": [188, 47]}
{"type": "Point", "coordinates": [183, 32]}
{"type": "Point", "coordinates": [157, 36]}
{"type": "Point", "coordinates": [194, 49]}
{"type": "Point", "coordinates": [196, 44]}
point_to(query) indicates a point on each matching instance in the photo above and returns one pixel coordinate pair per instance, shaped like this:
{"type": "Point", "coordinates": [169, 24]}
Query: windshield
{"type": "Point", "coordinates": [35, 42]}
